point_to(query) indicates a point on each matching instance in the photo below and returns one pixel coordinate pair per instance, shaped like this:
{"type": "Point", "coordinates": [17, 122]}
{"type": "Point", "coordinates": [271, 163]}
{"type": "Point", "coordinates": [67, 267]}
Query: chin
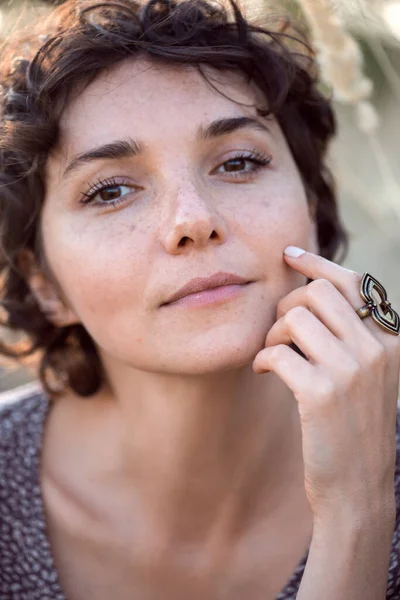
{"type": "Point", "coordinates": [218, 355]}
{"type": "Point", "coordinates": [192, 351]}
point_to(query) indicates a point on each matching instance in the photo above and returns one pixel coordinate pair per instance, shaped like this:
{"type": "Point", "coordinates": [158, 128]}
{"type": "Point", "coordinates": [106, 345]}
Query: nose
{"type": "Point", "coordinates": [192, 222]}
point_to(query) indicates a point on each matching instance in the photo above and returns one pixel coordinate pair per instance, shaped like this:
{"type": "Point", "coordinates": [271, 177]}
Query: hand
{"type": "Point", "coordinates": [346, 388]}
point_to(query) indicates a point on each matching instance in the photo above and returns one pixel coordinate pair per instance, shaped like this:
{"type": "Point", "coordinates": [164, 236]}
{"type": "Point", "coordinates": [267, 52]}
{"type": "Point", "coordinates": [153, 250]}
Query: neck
{"type": "Point", "coordinates": [205, 454]}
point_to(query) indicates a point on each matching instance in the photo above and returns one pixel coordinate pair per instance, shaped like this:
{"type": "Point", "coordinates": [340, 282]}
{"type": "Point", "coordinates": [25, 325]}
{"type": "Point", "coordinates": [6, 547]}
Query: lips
{"type": "Point", "coordinates": [200, 284]}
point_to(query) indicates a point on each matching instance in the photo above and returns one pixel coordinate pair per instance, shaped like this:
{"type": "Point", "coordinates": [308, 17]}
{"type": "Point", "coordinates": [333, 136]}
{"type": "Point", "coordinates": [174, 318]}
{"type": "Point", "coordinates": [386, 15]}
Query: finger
{"type": "Point", "coordinates": [298, 374]}
{"type": "Point", "coordinates": [317, 267]}
{"type": "Point", "coordinates": [325, 301]}
{"type": "Point", "coordinates": [346, 281]}
{"type": "Point", "coordinates": [301, 327]}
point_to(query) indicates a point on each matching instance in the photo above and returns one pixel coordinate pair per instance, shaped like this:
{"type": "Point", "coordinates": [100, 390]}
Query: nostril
{"type": "Point", "coordinates": [183, 241]}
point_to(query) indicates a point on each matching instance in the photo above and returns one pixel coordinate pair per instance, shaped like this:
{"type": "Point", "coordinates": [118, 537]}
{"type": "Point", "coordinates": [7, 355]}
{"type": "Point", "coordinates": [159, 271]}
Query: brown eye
{"type": "Point", "coordinates": [245, 164]}
{"type": "Point", "coordinates": [107, 192]}
{"type": "Point", "coordinates": [232, 165]}
{"type": "Point", "coordinates": [111, 193]}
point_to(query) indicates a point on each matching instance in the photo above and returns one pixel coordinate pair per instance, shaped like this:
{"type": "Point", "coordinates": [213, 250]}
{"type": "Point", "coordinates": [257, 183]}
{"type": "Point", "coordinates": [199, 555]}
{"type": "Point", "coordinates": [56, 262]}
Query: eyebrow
{"type": "Point", "coordinates": [129, 147]}
{"type": "Point", "coordinates": [114, 150]}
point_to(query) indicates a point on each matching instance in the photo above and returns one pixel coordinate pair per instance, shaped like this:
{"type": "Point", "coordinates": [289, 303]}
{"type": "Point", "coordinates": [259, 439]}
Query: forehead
{"type": "Point", "coordinates": [147, 99]}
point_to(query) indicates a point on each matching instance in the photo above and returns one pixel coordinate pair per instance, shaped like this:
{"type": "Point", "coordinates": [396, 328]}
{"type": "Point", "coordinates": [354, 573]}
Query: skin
{"type": "Point", "coordinates": [203, 408]}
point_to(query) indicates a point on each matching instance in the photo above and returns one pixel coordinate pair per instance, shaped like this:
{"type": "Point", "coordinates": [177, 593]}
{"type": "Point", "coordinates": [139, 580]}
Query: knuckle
{"type": "Point", "coordinates": [396, 344]}
{"type": "Point", "coordinates": [295, 314]}
{"type": "Point", "coordinates": [276, 353]}
{"type": "Point", "coordinates": [351, 368]}
{"type": "Point", "coordinates": [377, 355]}
{"type": "Point", "coordinates": [281, 307]}
{"type": "Point", "coordinates": [397, 348]}
{"type": "Point", "coordinates": [355, 276]}
{"type": "Point", "coordinates": [319, 286]}
{"type": "Point", "coordinates": [325, 390]}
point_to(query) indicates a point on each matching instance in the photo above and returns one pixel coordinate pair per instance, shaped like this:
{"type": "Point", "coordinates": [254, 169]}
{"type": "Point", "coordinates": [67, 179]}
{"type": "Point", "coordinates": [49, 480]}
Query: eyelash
{"type": "Point", "coordinates": [258, 159]}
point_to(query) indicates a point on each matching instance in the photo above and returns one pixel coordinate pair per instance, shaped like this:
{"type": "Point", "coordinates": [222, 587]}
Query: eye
{"type": "Point", "coordinates": [236, 165]}
{"type": "Point", "coordinates": [105, 192]}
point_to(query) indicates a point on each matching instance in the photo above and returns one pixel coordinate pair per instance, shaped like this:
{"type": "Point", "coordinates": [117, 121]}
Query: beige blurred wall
{"type": "Point", "coordinates": [368, 174]}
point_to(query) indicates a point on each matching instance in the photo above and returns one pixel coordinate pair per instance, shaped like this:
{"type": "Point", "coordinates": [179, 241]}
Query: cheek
{"type": "Point", "coordinates": [97, 267]}
{"type": "Point", "coordinates": [280, 219]}
{"type": "Point", "coordinates": [276, 219]}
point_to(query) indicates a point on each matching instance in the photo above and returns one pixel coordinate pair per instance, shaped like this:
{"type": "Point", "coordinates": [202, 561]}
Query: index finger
{"type": "Point", "coordinates": [348, 283]}
{"type": "Point", "coordinates": [318, 267]}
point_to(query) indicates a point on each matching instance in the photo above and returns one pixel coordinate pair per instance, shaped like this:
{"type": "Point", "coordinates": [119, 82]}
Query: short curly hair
{"type": "Point", "coordinates": [70, 47]}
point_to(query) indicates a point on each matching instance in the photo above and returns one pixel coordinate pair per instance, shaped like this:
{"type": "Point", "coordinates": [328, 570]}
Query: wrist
{"type": "Point", "coordinates": [349, 556]}
{"type": "Point", "coordinates": [356, 516]}
{"type": "Point", "coordinates": [349, 531]}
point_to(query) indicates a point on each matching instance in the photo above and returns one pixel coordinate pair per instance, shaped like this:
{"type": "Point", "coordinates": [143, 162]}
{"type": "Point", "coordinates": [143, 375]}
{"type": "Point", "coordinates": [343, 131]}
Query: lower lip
{"type": "Point", "coordinates": [214, 296]}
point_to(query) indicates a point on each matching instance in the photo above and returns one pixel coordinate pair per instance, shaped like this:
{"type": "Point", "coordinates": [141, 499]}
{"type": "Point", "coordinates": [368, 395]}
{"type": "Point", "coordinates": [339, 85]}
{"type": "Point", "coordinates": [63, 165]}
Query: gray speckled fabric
{"type": "Point", "coordinates": [27, 570]}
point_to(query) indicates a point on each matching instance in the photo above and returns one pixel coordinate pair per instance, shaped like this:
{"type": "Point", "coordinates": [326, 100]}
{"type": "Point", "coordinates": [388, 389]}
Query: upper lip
{"type": "Point", "coordinates": [199, 284]}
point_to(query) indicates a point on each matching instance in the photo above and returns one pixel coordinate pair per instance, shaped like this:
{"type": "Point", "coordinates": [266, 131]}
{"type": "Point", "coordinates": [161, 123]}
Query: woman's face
{"type": "Point", "coordinates": [153, 184]}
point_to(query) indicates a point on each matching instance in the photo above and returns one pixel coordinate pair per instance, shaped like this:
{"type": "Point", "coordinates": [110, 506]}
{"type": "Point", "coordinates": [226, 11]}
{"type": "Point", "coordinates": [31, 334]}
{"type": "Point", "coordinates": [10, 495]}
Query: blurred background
{"type": "Point", "coordinates": [365, 81]}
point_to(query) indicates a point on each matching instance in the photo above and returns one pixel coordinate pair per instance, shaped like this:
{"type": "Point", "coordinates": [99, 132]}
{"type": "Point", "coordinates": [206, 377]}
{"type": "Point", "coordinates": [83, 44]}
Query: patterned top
{"type": "Point", "coordinates": [27, 570]}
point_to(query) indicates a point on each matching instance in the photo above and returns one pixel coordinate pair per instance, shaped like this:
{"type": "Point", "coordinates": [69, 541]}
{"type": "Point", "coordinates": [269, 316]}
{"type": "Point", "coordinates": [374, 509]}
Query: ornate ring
{"type": "Point", "coordinates": [377, 305]}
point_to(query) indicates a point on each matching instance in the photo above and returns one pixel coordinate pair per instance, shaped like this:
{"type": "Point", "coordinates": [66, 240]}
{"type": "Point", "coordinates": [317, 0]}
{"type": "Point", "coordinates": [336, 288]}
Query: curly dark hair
{"type": "Point", "coordinates": [70, 47]}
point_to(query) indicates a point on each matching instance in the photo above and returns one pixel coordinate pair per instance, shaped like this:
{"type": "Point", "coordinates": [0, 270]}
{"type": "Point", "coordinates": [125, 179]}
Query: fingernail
{"type": "Point", "coordinates": [293, 251]}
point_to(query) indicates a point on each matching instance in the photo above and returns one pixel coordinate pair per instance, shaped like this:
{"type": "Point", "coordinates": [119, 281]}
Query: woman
{"type": "Point", "coordinates": [215, 420]}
